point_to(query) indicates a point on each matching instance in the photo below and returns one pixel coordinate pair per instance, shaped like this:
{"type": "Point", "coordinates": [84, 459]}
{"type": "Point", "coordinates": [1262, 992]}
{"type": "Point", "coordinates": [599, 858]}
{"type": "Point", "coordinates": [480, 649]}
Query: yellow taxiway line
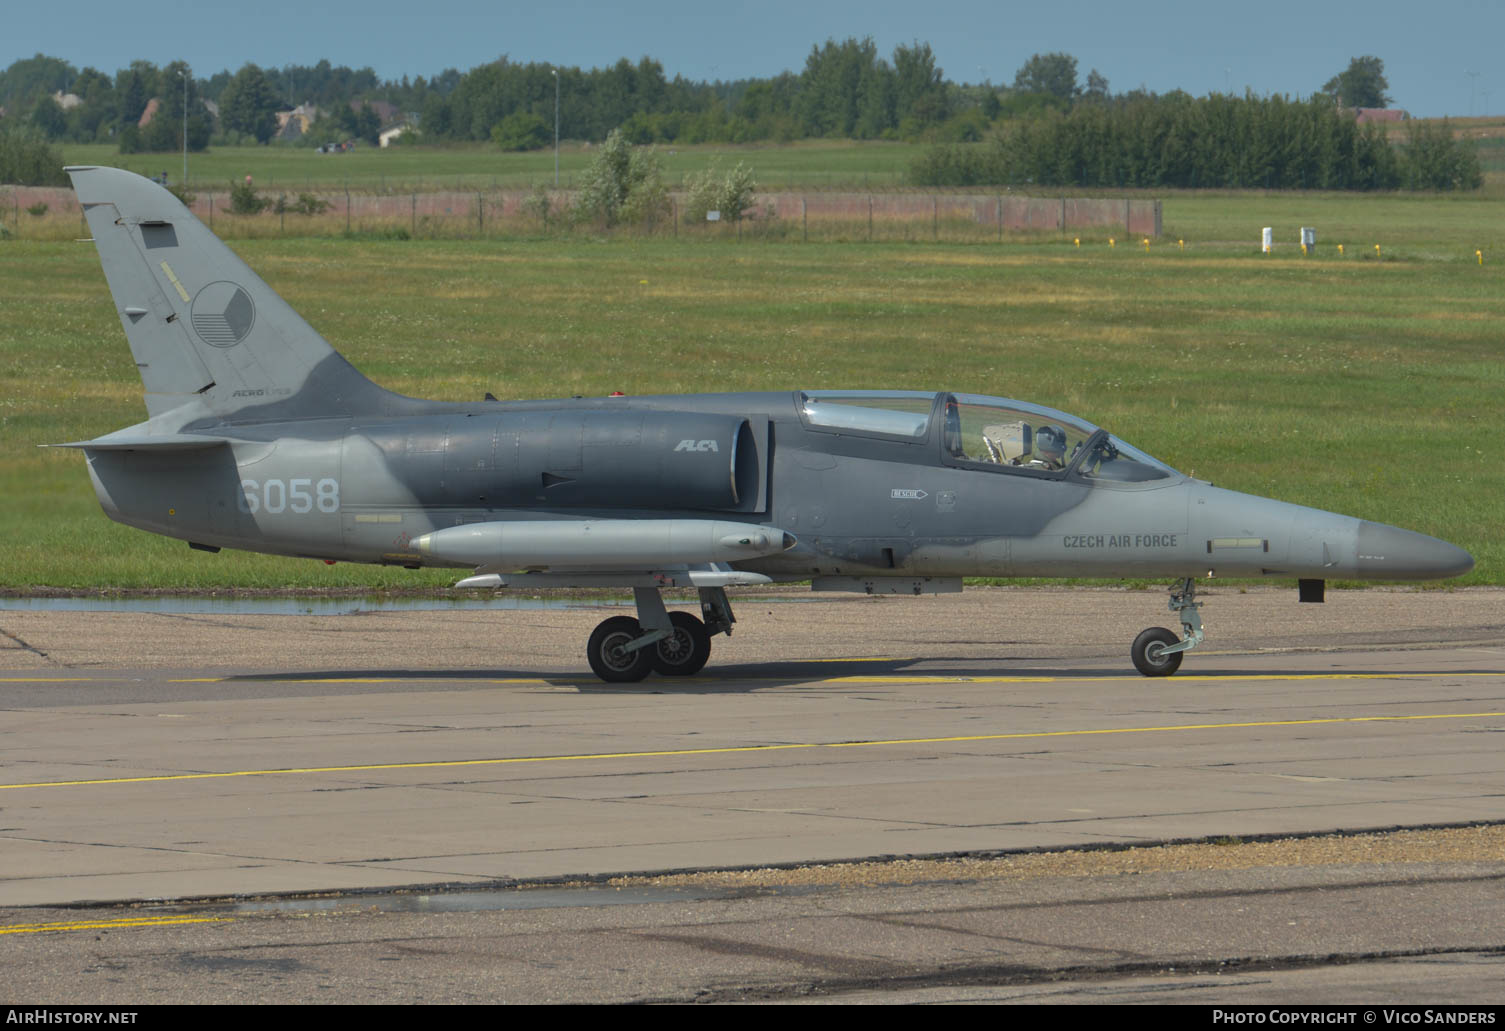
{"type": "Point", "coordinates": [735, 749]}
{"type": "Point", "coordinates": [94, 925]}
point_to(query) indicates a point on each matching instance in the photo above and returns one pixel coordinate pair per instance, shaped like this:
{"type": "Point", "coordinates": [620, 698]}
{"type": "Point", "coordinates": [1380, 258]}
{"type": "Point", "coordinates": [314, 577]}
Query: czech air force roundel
{"type": "Point", "coordinates": [223, 314]}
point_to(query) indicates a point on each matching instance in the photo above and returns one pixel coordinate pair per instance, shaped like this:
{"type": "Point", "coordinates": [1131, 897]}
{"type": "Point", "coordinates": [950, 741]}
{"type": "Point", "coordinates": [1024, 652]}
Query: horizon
{"type": "Point", "coordinates": [1442, 66]}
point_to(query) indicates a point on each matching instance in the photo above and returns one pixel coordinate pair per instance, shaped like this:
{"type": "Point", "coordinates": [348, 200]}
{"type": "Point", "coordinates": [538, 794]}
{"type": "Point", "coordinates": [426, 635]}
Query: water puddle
{"type": "Point", "coordinates": [487, 901]}
{"type": "Point", "coordinates": [190, 605]}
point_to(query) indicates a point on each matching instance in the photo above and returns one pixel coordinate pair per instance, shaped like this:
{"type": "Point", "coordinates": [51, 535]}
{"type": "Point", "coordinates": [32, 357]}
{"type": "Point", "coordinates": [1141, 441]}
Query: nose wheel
{"type": "Point", "coordinates": [1150, 656]}
{"type": "Point", "coordinates": [1157, 651]}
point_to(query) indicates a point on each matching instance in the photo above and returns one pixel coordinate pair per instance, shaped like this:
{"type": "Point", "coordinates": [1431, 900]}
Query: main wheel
{"type": "Point", "coordinates": [1149, 654]}
{"type": "Point", "coordinates": [686, 650]}
{"type": "Point", "coordinates": [608, 654]}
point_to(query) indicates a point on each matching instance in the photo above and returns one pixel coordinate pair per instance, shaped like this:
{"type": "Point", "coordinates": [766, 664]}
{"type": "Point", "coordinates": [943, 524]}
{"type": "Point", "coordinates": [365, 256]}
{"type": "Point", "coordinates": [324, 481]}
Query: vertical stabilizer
{"type": "Point", "coordinates": [202, 326]}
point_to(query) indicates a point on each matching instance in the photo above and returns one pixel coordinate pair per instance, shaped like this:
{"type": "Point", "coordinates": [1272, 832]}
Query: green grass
{"type": "Point", "coordinates": [1361, 386]}
{"type": "Point", "coordinates": [838, 164]}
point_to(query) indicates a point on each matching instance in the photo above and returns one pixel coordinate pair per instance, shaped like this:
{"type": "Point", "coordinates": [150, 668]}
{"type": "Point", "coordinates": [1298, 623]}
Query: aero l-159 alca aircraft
{"type": "Point", "coordinates": [261, 436]}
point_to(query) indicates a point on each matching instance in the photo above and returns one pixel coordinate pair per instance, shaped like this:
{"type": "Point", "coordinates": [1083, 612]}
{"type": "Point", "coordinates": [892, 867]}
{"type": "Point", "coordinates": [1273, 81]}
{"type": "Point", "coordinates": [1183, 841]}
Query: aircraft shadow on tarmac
{"type": "Point", "coordinates": [748, 677]}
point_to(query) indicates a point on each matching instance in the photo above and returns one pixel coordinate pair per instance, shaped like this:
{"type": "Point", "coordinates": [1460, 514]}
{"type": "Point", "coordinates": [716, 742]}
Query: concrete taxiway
{"type": "Point", "coordinates": [159, 755]}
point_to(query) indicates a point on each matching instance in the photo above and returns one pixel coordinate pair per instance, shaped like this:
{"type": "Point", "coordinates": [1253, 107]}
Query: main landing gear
{"type": "Point", "coordinates": [623, 650]}
{"type": "Point", "coordinates": [1157, 651]}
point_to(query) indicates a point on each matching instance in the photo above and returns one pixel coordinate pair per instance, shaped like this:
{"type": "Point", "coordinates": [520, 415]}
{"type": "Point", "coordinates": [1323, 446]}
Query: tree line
{"type": "Point", "coordinates": [846, 89]}
{"type": "Point", "coordinates": [1047, 128]}
{"type": "Point", "coordinates": [1177, 140]}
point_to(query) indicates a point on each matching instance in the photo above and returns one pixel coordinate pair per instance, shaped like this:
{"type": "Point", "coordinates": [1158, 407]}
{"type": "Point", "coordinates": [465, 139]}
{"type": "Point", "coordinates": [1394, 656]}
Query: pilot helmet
{"type": "Point", "coordinates": [954, 430]}
{"type": "Point", "coordinates": [1051, 441]}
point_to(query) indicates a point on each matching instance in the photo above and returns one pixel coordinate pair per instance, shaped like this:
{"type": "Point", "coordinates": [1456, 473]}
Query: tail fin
{"type": "Point", "coordinates": [202, 326]}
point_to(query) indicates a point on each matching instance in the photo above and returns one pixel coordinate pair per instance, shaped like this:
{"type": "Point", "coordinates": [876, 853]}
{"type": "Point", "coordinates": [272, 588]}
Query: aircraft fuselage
{"type": "Point", "coordinates": [858, 504]}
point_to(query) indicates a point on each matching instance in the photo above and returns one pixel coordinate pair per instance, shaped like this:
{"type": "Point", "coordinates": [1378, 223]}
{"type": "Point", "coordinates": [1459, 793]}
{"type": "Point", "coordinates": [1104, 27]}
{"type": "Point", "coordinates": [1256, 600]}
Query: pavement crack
{"type": "Point", "coordinates": [846, 966]}
{"type": "Point", "coordinates": [29, 647]}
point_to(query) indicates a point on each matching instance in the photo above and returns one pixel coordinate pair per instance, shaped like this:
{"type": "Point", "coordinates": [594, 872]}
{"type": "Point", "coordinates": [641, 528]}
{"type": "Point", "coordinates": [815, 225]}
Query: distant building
{"type": "Point", "coordinates": [155, 104]}
{"type": "Point", "coordinates": [1365, 115]}
{"type": "Point", "coordinates": [293, 124]}
{"type": "Point", "coordinates": [386, 111]}
{"type": "Point", "coordinates": [67, 101]}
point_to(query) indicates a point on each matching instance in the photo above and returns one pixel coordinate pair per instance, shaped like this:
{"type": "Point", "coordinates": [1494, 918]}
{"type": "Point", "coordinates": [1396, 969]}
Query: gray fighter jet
{"type": "Point", "coordinates": [261, 436]}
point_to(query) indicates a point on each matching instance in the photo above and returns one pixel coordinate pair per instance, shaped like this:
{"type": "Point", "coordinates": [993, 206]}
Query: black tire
{"type": "Point", "coordinates": [607, 655]}
{"type": "Point", "coordinates": [684, 652]}
{"type": "Point", "coordinates": [1147, 654]}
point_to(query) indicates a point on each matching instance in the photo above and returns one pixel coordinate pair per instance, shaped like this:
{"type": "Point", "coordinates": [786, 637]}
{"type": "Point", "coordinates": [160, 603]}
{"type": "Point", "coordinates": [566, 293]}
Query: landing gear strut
{"type": "Point", "coordinates": [622, 650]}
{"type": "Point", "coordinates": [1157, 651]}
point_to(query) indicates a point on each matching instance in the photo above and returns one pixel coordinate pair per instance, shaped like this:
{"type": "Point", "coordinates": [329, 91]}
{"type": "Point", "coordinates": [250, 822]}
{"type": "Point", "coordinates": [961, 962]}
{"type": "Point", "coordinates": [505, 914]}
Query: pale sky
{"type": "Point", "coordinates": [1442, 58]}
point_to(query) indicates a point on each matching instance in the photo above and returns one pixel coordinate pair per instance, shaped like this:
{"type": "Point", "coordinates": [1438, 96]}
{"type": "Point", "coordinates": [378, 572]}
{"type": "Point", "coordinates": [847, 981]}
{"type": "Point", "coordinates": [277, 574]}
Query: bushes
{"type": "Point", "coordinates": [306, 204]}
{"type": "Point", "coordinates": [1432, 159]}
{"type": "Point", "coordinates": [244, 200]}
{"type": "Point", "coordinates": [1214, 141]}
{"type": "Point", "coordinates": [28, 160]}
{"type": "Point", "coordinates": [622, 184]}
{"type": "Point", "coordinates": [730, 194]}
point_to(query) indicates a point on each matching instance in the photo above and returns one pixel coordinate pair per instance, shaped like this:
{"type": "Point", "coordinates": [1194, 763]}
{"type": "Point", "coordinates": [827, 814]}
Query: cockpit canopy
{"type": "Point", "coordinates": [985, 432]}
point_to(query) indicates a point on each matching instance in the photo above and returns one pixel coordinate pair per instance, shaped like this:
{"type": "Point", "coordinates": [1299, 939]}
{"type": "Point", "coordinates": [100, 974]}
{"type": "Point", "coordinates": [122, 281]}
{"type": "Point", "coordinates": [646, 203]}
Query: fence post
{"type": "Point", "coordinates": [935, 218]}
{"type": "Point", "coordinates": [480, 215]}
{"type": "Point", "coordinates": [804, 222]}
{"type": "Point", "coordinates": [999, 211]}
{"type": "Point", "coordinates": [415, 214]}
{"type": "Point", "coordinates": [347, 206]}
{"type": "Point", "coordinates": [870, 218]}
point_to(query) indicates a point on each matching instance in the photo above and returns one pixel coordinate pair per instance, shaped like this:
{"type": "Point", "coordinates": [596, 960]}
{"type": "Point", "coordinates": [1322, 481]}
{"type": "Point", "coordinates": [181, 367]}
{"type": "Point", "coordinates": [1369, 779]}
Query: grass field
{"type": "Point", "coordinates": [1362, 386]}
{"type": "Point", "coordinates": [805, 165]}
{"type": "Point", "coordinates": [819, 164]}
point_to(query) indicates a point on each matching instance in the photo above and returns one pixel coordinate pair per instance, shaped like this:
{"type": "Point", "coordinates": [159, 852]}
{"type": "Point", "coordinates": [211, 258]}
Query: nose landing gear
{"type": "Point", "coordinates": [1157, 651]}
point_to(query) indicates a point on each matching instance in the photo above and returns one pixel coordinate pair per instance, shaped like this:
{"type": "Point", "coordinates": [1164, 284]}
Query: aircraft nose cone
{"type": "Point", "coordinates": [1388, 551]}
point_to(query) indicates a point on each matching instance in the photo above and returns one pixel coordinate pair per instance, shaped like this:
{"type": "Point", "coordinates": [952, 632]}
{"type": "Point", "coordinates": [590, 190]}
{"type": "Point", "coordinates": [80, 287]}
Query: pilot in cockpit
{"type": "Point", "coordinates": [1050, 447]}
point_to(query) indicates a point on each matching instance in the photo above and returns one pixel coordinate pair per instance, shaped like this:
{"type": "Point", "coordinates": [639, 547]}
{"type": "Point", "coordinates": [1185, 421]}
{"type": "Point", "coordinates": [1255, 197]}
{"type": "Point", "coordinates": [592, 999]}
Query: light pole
{"type": "Point", "coordinates": [183, 74]}
{"type": "Point", "coordinates": [556, 127]}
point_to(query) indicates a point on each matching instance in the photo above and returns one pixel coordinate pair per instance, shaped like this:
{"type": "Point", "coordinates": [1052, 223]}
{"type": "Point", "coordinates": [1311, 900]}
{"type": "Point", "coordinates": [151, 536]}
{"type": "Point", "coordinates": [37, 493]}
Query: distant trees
{"type": "Point", "coordinates": [847, 90]}
{"type": "Point", "coordinates": [248, 104]}
{"type": "Point", "coordinates": [1362, 84]}
{"type": "Point", "coordinates": [1051, 74]}
{"type": "Point", "coordinates": [1431, 159]}
{"type": "Point", "coordinates": [26, 159]}
{"type": "Point", "coordinates": [1048, 127]}
{"type": "Point", "coordinates": [1214, 141]}
{"type": "Point", "coordinates": [521, 130]}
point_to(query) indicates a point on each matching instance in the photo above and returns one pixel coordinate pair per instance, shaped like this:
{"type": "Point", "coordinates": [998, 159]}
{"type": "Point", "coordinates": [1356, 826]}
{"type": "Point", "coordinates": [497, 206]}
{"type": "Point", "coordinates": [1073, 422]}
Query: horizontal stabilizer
{"type": "Point", "coordinates": [162, 442]}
